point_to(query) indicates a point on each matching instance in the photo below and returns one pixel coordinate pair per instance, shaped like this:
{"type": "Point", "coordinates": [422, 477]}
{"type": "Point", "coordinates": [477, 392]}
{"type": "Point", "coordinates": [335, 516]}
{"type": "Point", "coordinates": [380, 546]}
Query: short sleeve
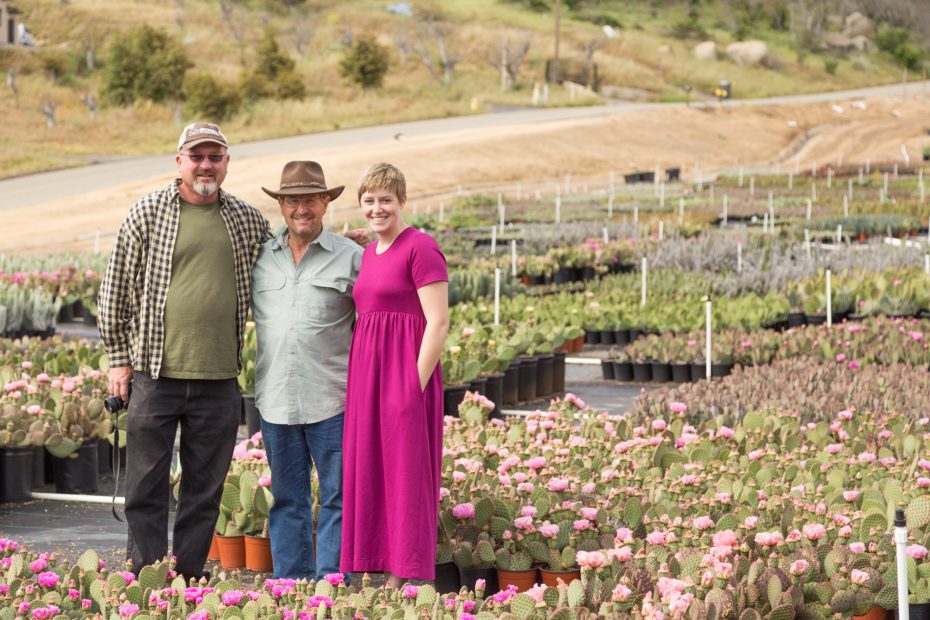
{"type": "Point", "coordinates": [427, 263]}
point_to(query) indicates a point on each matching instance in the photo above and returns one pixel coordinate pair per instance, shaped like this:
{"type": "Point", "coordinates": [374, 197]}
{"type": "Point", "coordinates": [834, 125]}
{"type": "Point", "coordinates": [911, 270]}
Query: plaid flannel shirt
{"type": "Point", "coordinates": [134, 291]}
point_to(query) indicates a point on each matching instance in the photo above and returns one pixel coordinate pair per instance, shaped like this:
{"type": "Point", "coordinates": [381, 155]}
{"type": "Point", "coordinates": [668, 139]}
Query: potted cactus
{"type": "Point", "coordinates": [20, 432]}
{"type": "Point", "coordinates": [514, 567]}
{"type": "Point", "coordinates": [78, 421]}
{"type": "Point", "coordinates": [256, 500]}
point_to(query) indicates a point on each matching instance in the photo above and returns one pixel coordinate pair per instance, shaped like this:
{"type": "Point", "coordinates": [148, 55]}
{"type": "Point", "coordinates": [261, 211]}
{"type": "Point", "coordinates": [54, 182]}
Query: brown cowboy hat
{"type": "Point", "coordinates": [303, 177]}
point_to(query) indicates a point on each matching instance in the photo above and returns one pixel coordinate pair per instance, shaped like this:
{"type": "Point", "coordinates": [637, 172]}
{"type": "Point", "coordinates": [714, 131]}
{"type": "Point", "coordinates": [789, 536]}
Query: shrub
{"type": "Point", "coordinates": [365, 63]}
{"type": "Point", "coordinates": [210, 99]}
{"type": "Point", "coordinates": [146, 63]}
{"type": "Point", "coordinates": [277, 69]}
{"type": "Point", "coordinates": [896, 41]}
{"type": "Point", "coordinates": [830, 65]}
{"type": "Point", "coordinates": [688, 28]}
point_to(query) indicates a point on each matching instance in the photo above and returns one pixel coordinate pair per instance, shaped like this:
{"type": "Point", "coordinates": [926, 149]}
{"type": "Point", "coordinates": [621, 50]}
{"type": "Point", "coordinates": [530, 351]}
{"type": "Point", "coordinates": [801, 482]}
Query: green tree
{"type": "Point", "coordinates": [146, 63]}
{"type": "Point", "coordinates": [276, 70]}
{"type": "Point", "coordinates": [896, 41]}
{"type": "Point", "coordinates": [207, 98]}
{"type": "Point", "coordinates": [365, 63]}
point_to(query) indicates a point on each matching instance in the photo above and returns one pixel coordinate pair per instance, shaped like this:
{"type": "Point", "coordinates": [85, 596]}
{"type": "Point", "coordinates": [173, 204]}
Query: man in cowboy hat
{"type": "Point", "coordinates": [303, 309]}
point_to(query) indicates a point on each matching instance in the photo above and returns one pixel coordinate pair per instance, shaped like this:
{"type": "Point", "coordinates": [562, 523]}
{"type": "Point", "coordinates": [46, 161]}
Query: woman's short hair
{"type": "Point", "coordinates": [383, 176]}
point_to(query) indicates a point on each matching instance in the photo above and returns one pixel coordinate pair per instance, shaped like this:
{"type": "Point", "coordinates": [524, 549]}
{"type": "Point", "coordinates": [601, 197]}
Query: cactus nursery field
{"type": "Point", "coordinates": [765, 491]}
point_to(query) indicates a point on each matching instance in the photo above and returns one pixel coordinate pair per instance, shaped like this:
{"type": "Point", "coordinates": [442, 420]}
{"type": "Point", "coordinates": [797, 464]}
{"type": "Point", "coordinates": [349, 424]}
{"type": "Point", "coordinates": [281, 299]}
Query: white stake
{"type": "Point", "coordinates": [921, 188]}
{"type": "Point", "coordinates": [807, 242]}
{"type": "Point", "coordinates": [493, 241]}
{"type": "Point", "coordinates": [636, 215]}
{"type": "Point", "coordinates": [661, 230]}
{"type": "Point", "coordinates": [849, 189]}
{"type": "Point", "coordinates": [885, 182]}
{"type": "Point", "coordinates": [900, 543]}
{"type": "Point", "coordinates": [829, 300]}
{"type": "Point", "coordinates": [739, 257]}
{"type": "Point", "coordinates": [814, 170]}
{"type": "Point", "coordinates": [345, 227]}
{"type": "Point", "coordinates": [610, 204]}
{"type": "Point", "coordinates": [790, 180]}
{"type": "Point", "coordinates": [645, 269]}
{"type": "Point", "coordinates": [861, 176]}
{"type": "Point", "coordinates": [513, 257]}
{"type": "Point", "coordinates": [810, 208]}
{"type": "Point", "coordinates": [927, 263]}
{"type": "Point", "coordinates": [606, 236]}
{"type": "Point", "coordinates": [681, 210]}
{"type": "Point", "coordinates": [558, 209]}
{"type": "Point", "coordinates": [752, 186]}
{"type": "Point", "coordinates": [813, 190]}
{"type": "Point", "coordinates": [662, 195]}
{"type": "Point", "coordinates": [501, 209]}
{"type": "Point", "coordinates": [771, 208]}
{"type": "Point", "coordinates": [707, 340]}
{"type": "Point", "coordinates": [497, 296]}
{"type": "Point", "coordinates": [895, 170]}
{"type": "Point", "coordinates": [839, 234]}
{"type": "Point", "coordinates": [845, 206]}
{"type": "Point", "coordinates": [725, 201]}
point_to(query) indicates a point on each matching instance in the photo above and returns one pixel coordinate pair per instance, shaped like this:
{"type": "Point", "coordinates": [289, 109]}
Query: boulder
{"type": "Point", "coordinates": [863, 43]}
{"type": "Point", "coordinates": [858, 24]}
{"type": "Point", "coordinates": [748, 53]}
{"type": "Point", "coordinates": [834, 41]}
{"type": "Point", "coordinates": [706, 50]}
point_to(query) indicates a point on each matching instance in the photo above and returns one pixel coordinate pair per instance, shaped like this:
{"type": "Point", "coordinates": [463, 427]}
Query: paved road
{"type": "Point", "coordinates": [107, 172]}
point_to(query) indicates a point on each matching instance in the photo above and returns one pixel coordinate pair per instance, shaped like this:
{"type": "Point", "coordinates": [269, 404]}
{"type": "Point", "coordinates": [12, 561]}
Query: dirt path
{"type": "Point", "coordinates": [700, 141]}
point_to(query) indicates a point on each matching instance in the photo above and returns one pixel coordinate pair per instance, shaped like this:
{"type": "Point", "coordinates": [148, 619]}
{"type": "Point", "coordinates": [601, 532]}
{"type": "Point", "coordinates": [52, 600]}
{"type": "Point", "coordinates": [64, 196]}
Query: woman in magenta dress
{"type": "Point", "coordinates": [392, 442]}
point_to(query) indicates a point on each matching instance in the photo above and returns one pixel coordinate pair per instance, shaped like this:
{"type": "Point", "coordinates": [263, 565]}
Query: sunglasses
{"type": "Point", "coordinates": [198, 158]}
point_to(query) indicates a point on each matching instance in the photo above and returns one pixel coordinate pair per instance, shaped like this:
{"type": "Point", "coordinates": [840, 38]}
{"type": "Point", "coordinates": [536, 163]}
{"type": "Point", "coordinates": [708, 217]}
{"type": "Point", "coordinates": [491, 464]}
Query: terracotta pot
{"type": "Point", "coordinates": [258, 554]}
{"type": "Point", "coordinates": [876, 613]}
{"type": "Point", "coordinates": [523, 579]}
{"type": "Point", "coordinates": [551, 577]}
{"type": "Point", "coordinates": [214, 552]}
{"type": "Point", "coordinates": [232, 551]}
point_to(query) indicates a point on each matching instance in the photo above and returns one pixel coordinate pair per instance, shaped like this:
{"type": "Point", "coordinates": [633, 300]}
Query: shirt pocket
{"type": "Point", "coordinates": [328, 300]}
{"type": "Point", "coordinates": [268, 296]}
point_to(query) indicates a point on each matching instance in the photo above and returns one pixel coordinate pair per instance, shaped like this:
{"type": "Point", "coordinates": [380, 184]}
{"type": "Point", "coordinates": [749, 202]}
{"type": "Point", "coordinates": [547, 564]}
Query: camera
{"type": "Point", "coordinates": [114, 404]}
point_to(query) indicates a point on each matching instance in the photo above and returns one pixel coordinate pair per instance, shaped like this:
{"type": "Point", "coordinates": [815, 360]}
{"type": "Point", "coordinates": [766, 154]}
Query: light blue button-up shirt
{"type": "Point", "coordinates": [303, 319]}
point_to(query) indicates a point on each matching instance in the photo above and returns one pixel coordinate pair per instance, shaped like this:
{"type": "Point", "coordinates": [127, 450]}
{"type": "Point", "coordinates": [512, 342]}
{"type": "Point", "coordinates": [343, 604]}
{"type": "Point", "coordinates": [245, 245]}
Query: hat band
{"type": "Point", "coordinates": [302, 184]}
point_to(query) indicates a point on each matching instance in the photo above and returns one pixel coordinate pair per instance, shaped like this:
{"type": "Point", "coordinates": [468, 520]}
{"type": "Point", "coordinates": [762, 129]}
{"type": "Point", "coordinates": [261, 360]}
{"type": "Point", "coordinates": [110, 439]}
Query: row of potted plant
{"type": "Point", "coordinates": [758, 514]}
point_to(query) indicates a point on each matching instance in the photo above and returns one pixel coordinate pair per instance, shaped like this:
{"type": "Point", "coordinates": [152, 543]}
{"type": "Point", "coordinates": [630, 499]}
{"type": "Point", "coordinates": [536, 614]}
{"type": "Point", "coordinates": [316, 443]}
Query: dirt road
{"type": "Point", "coordinates": [62, 210]}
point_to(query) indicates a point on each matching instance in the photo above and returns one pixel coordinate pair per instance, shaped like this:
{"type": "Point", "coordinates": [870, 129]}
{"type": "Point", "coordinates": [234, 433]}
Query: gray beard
{"type": "Point", "coordinates": [205, 189]}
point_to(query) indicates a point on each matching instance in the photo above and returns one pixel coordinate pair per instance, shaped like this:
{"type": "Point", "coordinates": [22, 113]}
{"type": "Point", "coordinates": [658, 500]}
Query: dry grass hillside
{"type": "Point", "coordinates": [644, 55]}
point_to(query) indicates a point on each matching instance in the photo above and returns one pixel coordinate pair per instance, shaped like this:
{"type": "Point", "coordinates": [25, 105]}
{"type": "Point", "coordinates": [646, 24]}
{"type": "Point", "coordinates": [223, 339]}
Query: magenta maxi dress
{"type": "Point", "coordinates": [392, 442]}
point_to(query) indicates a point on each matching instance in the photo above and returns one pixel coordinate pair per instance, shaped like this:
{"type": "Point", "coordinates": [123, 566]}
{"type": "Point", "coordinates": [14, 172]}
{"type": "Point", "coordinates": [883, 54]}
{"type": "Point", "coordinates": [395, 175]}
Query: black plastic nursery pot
{"type": "Point", "coordinates": [468, 577]}
{"type": "Point", "coordinates": [592, 337]}
{"type": "Point", "coordinates": [452, 397]}
{"type": "Point", "coordinates": [642, 372]}
{"type": "Point", "coordinates": [77, 474]}
{"type": "Point", "coordinates": [607, 336]}
{"type": "Point", "coordinates": [622, 337]}
{"type": "Point", "coordinates": [916, 611]}
{"type": "Point", "coordinates": [681, 373]}
{"type": "Point", "coordinates": [494, 390]}
{"type": "Point", "coordinates": [720, 370]}
{"type": "Point", "coordinates": [636, 333]}
{"type": "Point", "coordinates": [623, 371]}
{"type": "Point", "coordinates": [815, 319]}
{"type": "Point", "coordinates": [526, 390]}
{"type": "Point", "coordinates": [479, 385]}
{"type": "Point", "coordinates": [511, 384]}
{"type": "Point", "coordinates": [796, 319]}
{"type": "Point", "coordinates": [38, 467]}
{"type": "Point", "coordinates": [607, 370]}
{"type": "Point", "coordinates": [698, 371]}
{"type": "Point", "coordinates": [558, 371]}
{"type": "Point", "coordinates": [447, 578]}
{"type": "Point", "coordinates": [544, 375]}
{"type": "Point", "coordinates": [16, 473]}
{"type": "Point", "coordinates": [661, 372]}
{"type": "Point", "coordinates": [564, 276]}
{"type": "Point", "coordinates": [253, 419]}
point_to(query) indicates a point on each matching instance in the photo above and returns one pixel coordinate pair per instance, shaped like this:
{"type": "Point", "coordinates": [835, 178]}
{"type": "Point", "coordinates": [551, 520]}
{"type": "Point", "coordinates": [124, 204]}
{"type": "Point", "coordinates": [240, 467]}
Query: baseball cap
{"type": "Point", "coordinates": [198, 133]}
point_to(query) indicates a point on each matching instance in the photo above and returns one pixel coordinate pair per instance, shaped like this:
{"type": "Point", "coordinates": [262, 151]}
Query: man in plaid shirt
{"type": "Point", "coordinates": [172, 309]}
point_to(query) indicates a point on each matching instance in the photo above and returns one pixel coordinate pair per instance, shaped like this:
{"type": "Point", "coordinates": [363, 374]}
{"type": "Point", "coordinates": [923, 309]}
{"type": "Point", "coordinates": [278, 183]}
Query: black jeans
{"type": "Point", "coordinates": [208, 411]}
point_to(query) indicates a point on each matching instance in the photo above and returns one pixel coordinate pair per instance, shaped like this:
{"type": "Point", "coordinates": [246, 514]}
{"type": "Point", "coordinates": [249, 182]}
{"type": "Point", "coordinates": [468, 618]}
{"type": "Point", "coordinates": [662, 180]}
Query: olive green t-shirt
{"type": "Point", "coordinates": [200, 312]}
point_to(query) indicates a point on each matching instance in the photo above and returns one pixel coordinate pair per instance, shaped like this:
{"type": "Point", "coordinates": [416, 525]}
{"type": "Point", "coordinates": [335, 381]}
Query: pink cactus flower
{"type": "Point", "coordinates": [678, 407]}
{"type": "Point", "coordinates": [558, 484]}
{"type": "Point", "coordinates": [48, 579]}
{"type": "Point", "coordinates": [463, 511]}
{"type": "Point", "coordinates": [857, 547]}
{"type": "Point", "coordinates": [703, 523]}
{"type": "Point", "coordinates": [620, 593]}
{"type": "Point", "coordinates": [549, 530]}
{"type": "Point", "coordinates": [850, 496]}
{"type": "Point", "coordinates": [858, 577]}
{"type": "Point", "coordinates": [799, 567]}
{"type": "Point", "coordinates": [917, 552]}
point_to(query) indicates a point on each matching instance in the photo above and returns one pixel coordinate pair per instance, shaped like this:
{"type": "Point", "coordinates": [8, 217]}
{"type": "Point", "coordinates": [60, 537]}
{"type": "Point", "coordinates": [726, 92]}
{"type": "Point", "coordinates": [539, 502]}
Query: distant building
{"type": "Point", "coordinates": [12, 31]}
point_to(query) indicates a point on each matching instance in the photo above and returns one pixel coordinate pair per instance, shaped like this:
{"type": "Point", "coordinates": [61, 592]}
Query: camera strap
{"type": "Point", "coordinates": [115, 465]}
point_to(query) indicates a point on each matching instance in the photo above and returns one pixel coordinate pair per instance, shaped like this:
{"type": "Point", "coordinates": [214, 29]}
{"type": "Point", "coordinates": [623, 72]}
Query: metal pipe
{"type": "Point", "coordinates": [70, 497]}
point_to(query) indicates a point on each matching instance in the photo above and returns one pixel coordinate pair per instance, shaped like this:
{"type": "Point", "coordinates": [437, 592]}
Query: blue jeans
{"type": "Point", "coordinates": [290, 448]}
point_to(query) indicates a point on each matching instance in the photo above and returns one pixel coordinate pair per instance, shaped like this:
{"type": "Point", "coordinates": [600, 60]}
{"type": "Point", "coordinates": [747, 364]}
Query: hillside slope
{"type": "Point", "coordinates": [650, 52]}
